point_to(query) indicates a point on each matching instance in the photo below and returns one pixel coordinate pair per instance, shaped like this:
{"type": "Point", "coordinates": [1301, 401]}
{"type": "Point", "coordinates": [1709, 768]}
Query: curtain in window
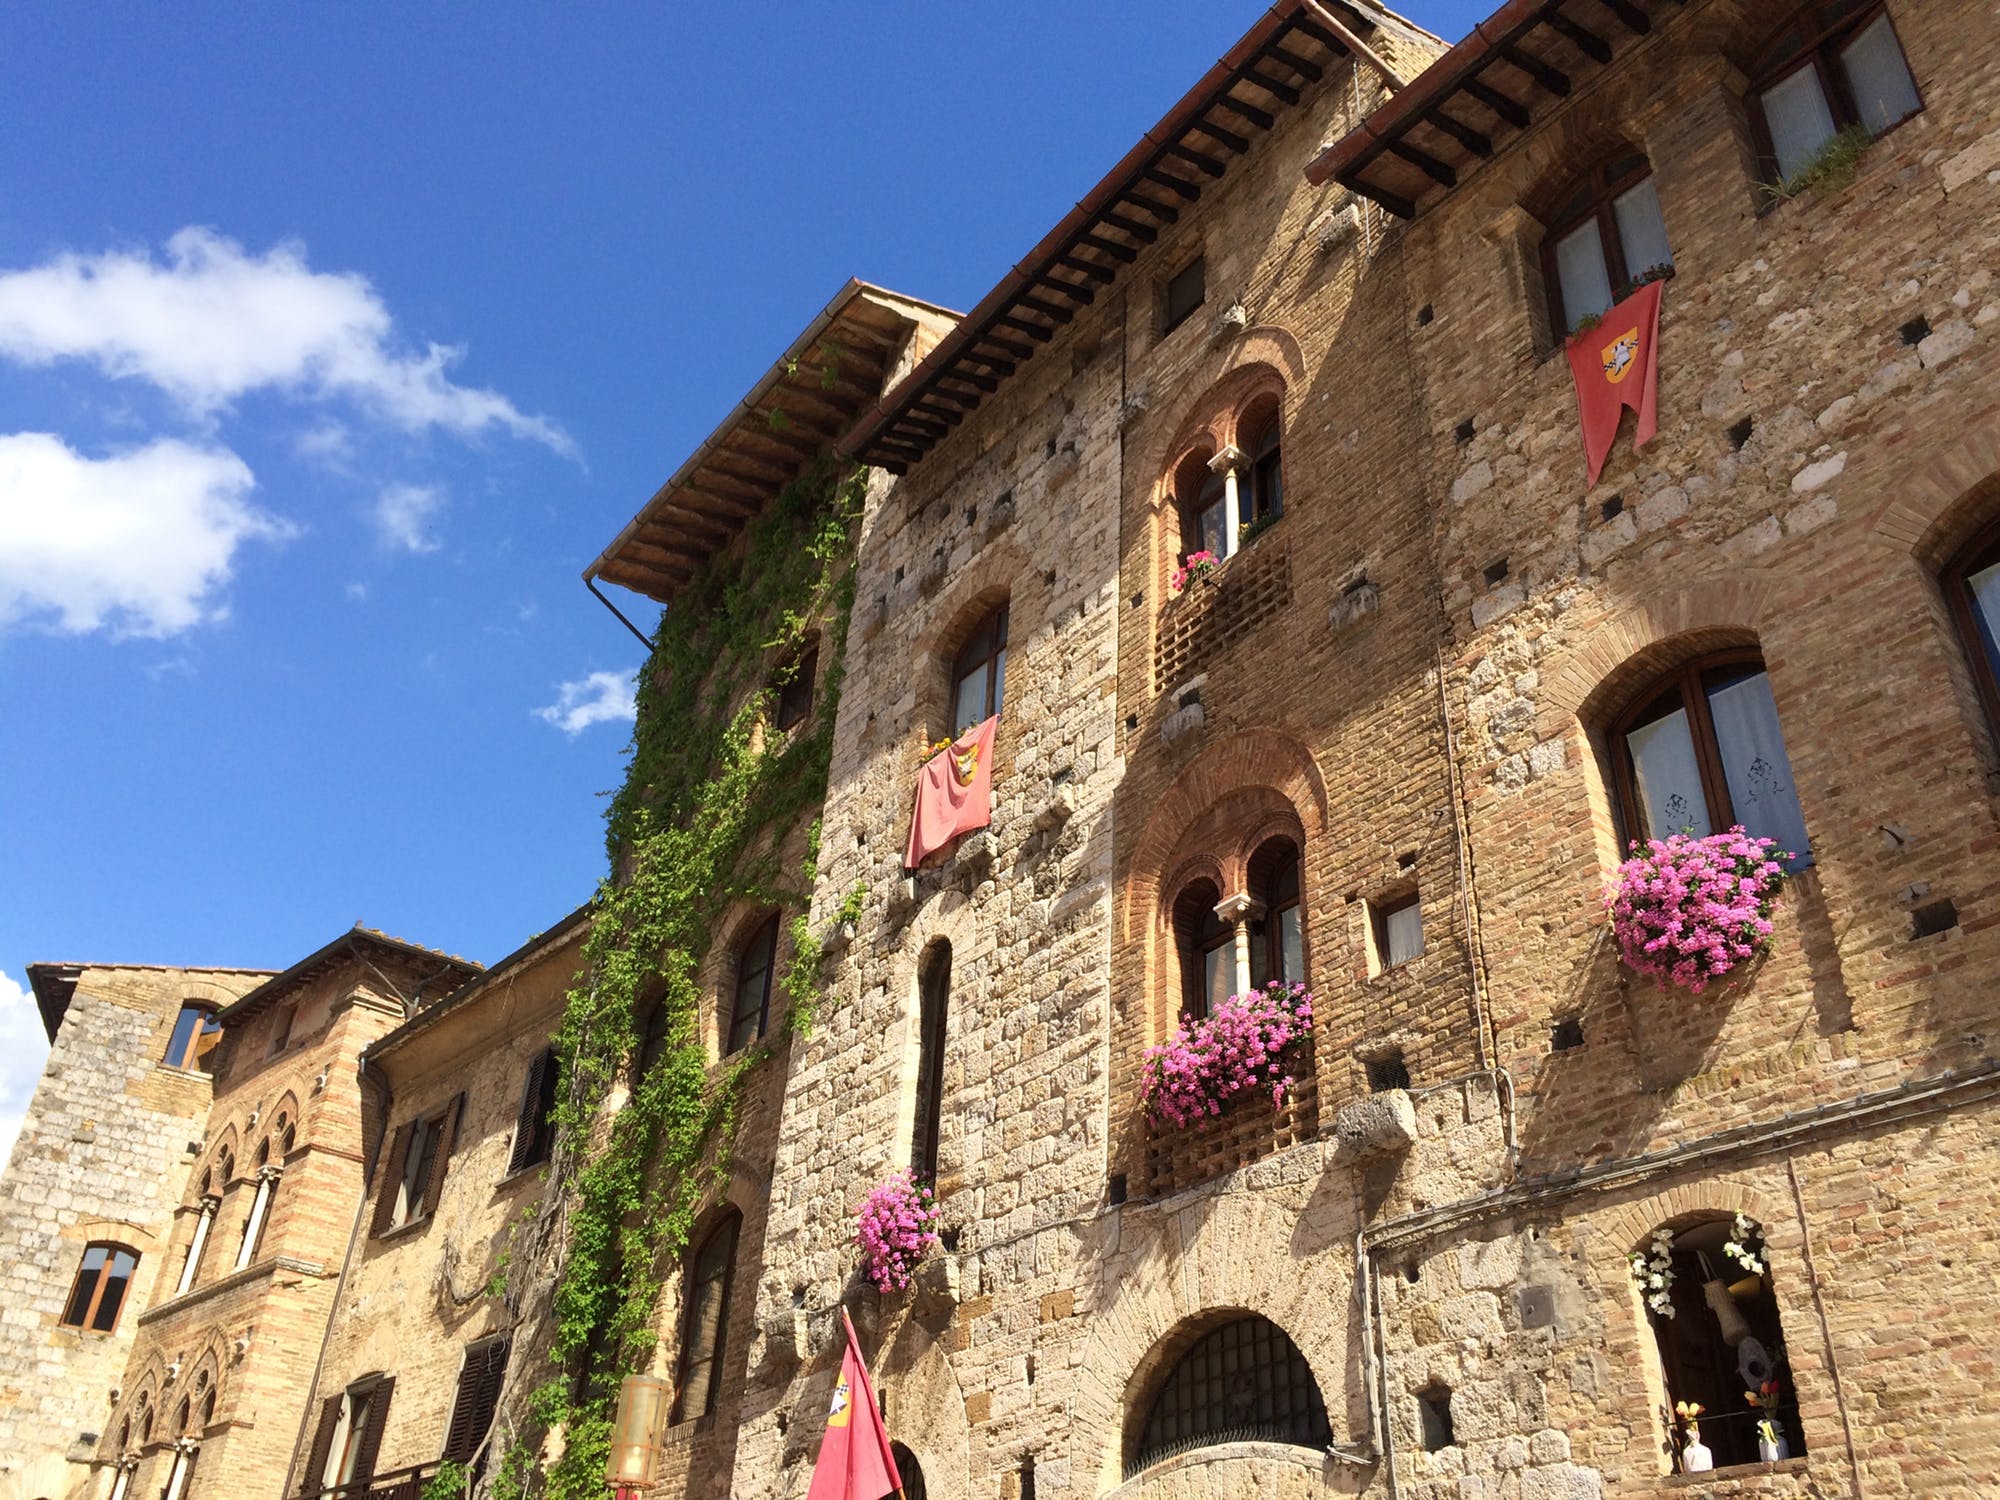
{"type": "Point", "coordinates": [1884, 92]}
{"type": "Point", "coordinates": [1985, 586]}
{"type": "Point", "coordinates": [1800, 123]}
{"type": "Point", "coordinates": [1642, 229]}
{"type": "Point", "coordinates": [1403, 934]}
{"type": "Point", "coordinates": [1291, 946]}
{"type": "Point", "coordinates": [1669, 779]}
{"type": "Point", "coordinates": [1755, 764]}
{"type": "Point", "coordinates": [1586, 285]}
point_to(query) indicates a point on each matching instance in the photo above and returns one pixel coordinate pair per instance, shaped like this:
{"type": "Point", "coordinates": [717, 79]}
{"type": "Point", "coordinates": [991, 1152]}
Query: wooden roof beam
{"type": "Point", "coordinates": [1111, 248]}
{"type": "Point", "coordinates": [1227, 138]}
{"type": "Point", "coordinates": [1473, 141]}
{"type": "Point", "coordinates": [1102, 275]}
{"type": "Point", "coordinates": [993, 362]}
{"type": "Point", "coordinates": [1078, 292]}
{"type": "Point", "coordinates": [1277, 88]}
{"type": "Point", "coordinates": [1189, 191]}
{"type": "Point", "coordinates": [1310, 71]}
{"type": "Point", "coordinates": [1635, 20]}
{"type": "Point", "coordinates": [1395, 203]}
{"type": "Point", "coordinates": [1145, 234]}
{"type": "Point", "coordinates": [1200, 160]}
{"type": "Point", "coordinates": [1055, 312]}
{"type": "Point", "coordinates": [1589, 43]}
{"type": "Point", "coordinates": [1261, 118]}
{"type": "Point", "coordinates": [1032, 329]}
{"type": "Point", "coordinates": [1548, 78]}
{"type": "Point", "coordinates": [1424, 162]}
{"type": "Point", "coordinates": [1165, 212]}
{"type": "Point", "coordinates": [1013, 348]}
{"type": "Point", "coordinates": [1503, 105]}
{"type": "Point", "coordinates": [931, 407]}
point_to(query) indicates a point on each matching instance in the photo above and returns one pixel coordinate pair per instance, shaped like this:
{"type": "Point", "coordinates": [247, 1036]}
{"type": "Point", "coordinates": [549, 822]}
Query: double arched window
{"type": "Point", "coordinates": [98, 1293]}
{"type": "Point", "coordinates": [1242, 1381]}
{"type": "Point", "coordinates": [1604, 236]}
{"type": "Point", "coordinates": [1700, 750]}
{"type": "Point", "coordinates": [1231, 484]}
{"type": "Point", "coordinates": [1226, 945]}
{"type": "Point", "coordinates": [705, 1319]}
{"type": "Point", "coordinates": [1833, 66]}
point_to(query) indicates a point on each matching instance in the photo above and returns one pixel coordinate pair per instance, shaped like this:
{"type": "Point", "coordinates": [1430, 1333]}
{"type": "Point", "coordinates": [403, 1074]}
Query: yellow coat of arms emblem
{"type": "Point", "coordinates": [1620, 355]}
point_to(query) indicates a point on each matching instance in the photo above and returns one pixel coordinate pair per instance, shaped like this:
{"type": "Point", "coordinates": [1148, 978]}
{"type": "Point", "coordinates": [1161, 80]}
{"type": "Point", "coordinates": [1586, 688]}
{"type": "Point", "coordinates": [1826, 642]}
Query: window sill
{"type": "Point", "coordinates": [513, 1179]}
{"type": "Point", "coordinates": [1735, 1474]}
{"type": "Point", "coordinates": [399, 1231]}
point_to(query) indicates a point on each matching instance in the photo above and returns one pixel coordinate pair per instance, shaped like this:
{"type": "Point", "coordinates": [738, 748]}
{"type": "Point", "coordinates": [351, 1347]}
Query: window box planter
{"type": "Point", "coordinates": [1208, 617]}
{"type": "Point", "coordinates": [1248, 1130]}
{"type": "Point", "coordinates": [1689, 911]}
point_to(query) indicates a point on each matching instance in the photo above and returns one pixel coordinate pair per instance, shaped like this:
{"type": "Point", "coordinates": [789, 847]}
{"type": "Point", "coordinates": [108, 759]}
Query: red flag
{"type": "Point", "coordinates": [954, 794]}
{"type": "Point", "coordinates": [854, 1458]}
{"type": "Point", "coordinates": [1616, 365]}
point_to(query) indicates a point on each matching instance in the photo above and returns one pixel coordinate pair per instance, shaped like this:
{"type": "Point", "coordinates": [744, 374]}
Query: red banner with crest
{"type": "Point", "coordinates": [1616, 365]}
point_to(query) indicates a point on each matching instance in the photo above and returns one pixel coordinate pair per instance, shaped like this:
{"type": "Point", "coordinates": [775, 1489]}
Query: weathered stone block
{"type": "Point", "coordinates": [1383, 1124]}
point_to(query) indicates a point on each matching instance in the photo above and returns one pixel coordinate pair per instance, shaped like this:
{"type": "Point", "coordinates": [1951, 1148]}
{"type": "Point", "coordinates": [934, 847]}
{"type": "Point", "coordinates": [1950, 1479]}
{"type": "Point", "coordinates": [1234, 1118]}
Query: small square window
{"type": "Point", "coordinates": [1434, 1414]}
{"type": "Point", "coordinates": [1398, 923]}
{"type": "Point", "coordinates": [1185, 291]}
{"type": "Point", "coordinates": [795, 693]}
{"type": "Point", "coordinates": [1387, 1072]}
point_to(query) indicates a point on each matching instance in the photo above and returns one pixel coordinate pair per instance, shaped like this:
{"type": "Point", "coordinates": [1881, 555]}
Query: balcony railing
{"type": "Point", "coordinates": [1248, 1130]}
{"type": "Point", "coordinates": [399, 1484]}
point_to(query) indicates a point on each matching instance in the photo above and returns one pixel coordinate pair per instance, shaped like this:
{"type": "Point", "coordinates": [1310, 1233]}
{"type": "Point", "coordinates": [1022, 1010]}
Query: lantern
{"type": "Point", "coordinates": [635, 1433]}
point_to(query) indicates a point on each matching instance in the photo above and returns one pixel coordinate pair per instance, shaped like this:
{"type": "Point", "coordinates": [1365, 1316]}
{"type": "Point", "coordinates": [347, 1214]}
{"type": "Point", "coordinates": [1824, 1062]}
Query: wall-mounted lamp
{"type": "Point", "coordinates": [635, 1433]}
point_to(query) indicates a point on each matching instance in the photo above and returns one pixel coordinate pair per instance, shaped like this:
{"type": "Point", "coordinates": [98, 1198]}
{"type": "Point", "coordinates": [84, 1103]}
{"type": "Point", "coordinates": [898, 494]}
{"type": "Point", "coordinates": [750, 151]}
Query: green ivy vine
{"type": "Point", "coordinates": [712, 796]}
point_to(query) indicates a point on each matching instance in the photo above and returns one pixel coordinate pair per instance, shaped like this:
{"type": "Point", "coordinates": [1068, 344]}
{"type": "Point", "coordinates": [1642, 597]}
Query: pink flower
{"type": "Point", "coordinates": [1688, 910]}
{"type": "Point", "coordinates": [1238, 1046]}
{"type": "Point", "coordinates": [895, 1227]}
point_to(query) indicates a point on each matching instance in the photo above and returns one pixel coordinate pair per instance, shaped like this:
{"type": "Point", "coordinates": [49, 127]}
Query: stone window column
{"type": "Point", "coordinates": [191, 1267]}
{"type": "Point", "coordinates": [177, 1476]}
{"type": "Point", "coordinates": [260, 1206]}
{"type": "Point", "coordinates": [1239, 911]}
{"type": "Point", "coordinates": [1226, 463]}
{"type": "Point", "coordinates": [121, 1477]}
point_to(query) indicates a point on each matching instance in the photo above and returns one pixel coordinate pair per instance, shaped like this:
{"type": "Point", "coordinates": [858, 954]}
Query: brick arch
{"type": "Point", "coordinates": [1255, 362]}
{"type": "Point", "coordinates": [930, 1406]}
{"type": "Point", "coordinates": [1210, 1276]}
{"type": "Point", "coordinates": [207, 992]}
{"type": "Point", "coordinates": [1246, 760]}
{"type": "Point", "coordinates": [90, 1229]}
{"type": "Point", "coordinates": [1630, 1226]}
{"type": "Point", "coordinates": [1933, 509]}
{"type": "Point", "coordinates": [1648, 637]}
{"type": "Point", "coordinates": [230, 1140]}
{"type": "Point", "coordinates": [1003, 572]}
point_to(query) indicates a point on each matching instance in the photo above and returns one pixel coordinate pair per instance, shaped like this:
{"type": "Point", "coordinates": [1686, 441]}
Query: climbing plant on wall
{"type": "Point", "coordinates": [711, 801]}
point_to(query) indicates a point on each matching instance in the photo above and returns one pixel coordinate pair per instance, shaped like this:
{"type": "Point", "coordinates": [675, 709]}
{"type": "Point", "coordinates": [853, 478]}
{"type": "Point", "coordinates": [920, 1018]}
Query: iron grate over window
{"type": "Point", "coordinates": [1243, 1382]}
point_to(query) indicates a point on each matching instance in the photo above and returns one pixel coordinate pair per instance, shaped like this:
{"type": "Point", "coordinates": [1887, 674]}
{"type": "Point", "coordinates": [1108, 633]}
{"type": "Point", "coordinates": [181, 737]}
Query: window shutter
{"type": "Point", "coordinates": [371, 1431]}
{"type": "Point", "coordinates": [447, 1138]}
{"type": "Point", "coordinates": [392, 1176]}
{"type": "Point", "coordinates": [478, 1394]}
{"type": "Point", "coordinates": [314, 1477]}
{"type": "Point", "coordinates": [528, 1123]}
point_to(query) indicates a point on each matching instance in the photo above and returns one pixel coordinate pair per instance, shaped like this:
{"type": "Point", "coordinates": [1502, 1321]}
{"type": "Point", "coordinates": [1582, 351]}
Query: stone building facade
{"type": "Point", "coordinates": [95, 1175]}
{"type": "Point", "coordinates": [1392, 743]}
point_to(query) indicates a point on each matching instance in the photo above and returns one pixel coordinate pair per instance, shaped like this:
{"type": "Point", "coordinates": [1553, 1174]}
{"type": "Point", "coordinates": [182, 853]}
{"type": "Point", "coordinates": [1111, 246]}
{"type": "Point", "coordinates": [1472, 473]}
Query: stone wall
{"type": "Point", "coordinates": [102, 1155]}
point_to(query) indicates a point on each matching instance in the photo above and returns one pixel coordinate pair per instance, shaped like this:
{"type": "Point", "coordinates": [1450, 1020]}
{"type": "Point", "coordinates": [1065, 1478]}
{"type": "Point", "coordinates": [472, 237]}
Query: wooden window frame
{"type": "Point", "coordinates": [1820, 52]}
{"type": "Point", "coordinates": [86, 1323]}
{"type": "Point", "coordinates": [764, 934]}
{"type": "Point", "coordinates": [795, 693]}
{"type": "Point", "coordinates": [1210, 494]}
{"type": "Point", "coordinates": [1192, 951]}
{"type": "Point", "coordinates": [1379, 912]}
{"type": "Point", "coordinates": [1591, 196]}
{"type": "Point", "coordinates": [1956, 579]}
{"type": "Point", "coordinates": [397, 1192]}
{"type": "Point", "coordinates": [933, 1020]}
{"type": "Point", "coordinates": [193, 1052]}
{"type": "Point", "coordinates": [989, 640]}
{"type": "Point", "coordinates": [1272, 936]}
{"type": "Point", "coordinates": [1686, 680]}
{"type": "Point", "coordinates": [1169, 318]}
{"type": "Point", "coordinates": [1255, 503]}
{"type": "Point", "coordinates": [731, 1223]}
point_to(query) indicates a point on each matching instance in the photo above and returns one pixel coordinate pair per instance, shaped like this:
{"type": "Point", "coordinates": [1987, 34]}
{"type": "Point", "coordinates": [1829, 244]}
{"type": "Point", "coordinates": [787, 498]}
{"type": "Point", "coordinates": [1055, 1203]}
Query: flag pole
{"type": "Point", "coordinates": [855, 1339]}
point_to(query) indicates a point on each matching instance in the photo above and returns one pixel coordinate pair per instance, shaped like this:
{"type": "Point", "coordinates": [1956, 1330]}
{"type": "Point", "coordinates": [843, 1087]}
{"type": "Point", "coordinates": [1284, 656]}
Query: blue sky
{"type": "Point", "coordinates": [336, 340]}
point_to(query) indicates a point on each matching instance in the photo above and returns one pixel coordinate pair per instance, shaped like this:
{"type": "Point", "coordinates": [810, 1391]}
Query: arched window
{"type": "Point", "coordinates": [1263, 497]}
{"type": "Point", "coordinates": [1972, 585]}
{"type": "Point", "coordinates": [934, 996]}
{"type": "Point", "coordinates": [1831, 67]}
{"type": "Point", "coordinates": [260, 1207]}
{"type": "Point", "coordinates": [755, 960]}
{"type": "Point", "coordinates": [705, 1321]}
{"type": "Point", "coordinates": [1203, 496]}
{"type": "Point", "coordinates": [1604, 236]}
{"type": "Point", "coordinates": [1244, 1381]}
{"type": "Point", "coordinates": [979, 672]}
{"type": "Point", "coordinates": [1701, 750]}
{"type": "Point", "coordinates": [196, 1031]}
{"type": "Point", "coordinates": [911, 1471]}
{"type": "Point", "coordinates": [1277, 937]}
{"type": "Point", "coordinates": [1207, 948]}
{"type": "Point", "coordinates": [102, 1280]}
{"type": "Point", "coordinates": [1723, 1337]}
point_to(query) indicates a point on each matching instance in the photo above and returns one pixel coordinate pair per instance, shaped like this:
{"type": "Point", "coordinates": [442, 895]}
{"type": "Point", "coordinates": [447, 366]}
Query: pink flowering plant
{"type": "Point", "coordinates": [1198, 566]}
{"type": "Point", "coordinates": [896, 1228]}
{"type": "Point", "coordinates": [1686, 911]}
{"type": "Point", "coordinates": [1240, 1045]}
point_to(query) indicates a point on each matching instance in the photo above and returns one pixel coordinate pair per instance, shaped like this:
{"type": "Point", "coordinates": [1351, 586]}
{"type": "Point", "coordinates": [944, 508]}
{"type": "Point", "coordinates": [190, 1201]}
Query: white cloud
{"type": "Point", "coordinates": [140, 543]}
{"type": "Point", "coordinates": [406, 516]}
{"type": "Point", "coordinates": [357, 593]}
{"type": "Point", "coordinates": [23, 1047]}
{"type": "Point", "coordinates": [600, 698]}
{"type": "Point", "coordinates": [214, 322]}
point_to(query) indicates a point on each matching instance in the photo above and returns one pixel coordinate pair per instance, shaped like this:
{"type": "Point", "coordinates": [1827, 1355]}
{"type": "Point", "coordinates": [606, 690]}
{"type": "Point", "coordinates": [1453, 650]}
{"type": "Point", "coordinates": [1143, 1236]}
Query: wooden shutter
{"type": "Point", "coordinates": [529, 1123]}
{"type": "Point", "coordinates": [478, 1394]}
{"type": "Point", "coordinates": [314, 1478]}
{"type": "Point", "coordinates": [447, 1138]}
{"type": "Point", "coordinates": [371, 1432]}
{"type": "Point", "coordinates": [392, 1176]}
